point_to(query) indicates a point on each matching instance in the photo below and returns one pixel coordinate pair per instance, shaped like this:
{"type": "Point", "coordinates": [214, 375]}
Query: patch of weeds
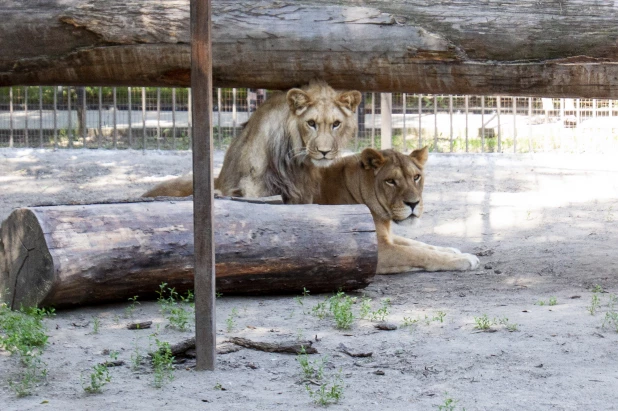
{"type": "Point", "coordinates": [449, 404]}
{"type": "Point", "coordinates": [609, 217]}
{"type": "Point", "coordinates": [439, 316]}
{"type": "Point", "coordinates": [482, 323]}
{"type": "Point", "coordinates": [341, 308]}
{"type": "Point", "coordinates": [128, 312]}
{"type": "Point", "coordinates": [163, 369]}
{"type": "Point", "coordinates": [320, 310]}
{"type": "Point", "coordinates": [176, 314]}
{"type": "Point", "coordinates": [218, 295]}
{"type": "Point", "coordinates": [409, 322]}
{"type": "Point", "coordinates": [597, 288]}
{"type": "Point", "coordinates": [97, 379]}
{"type": "Point", "coordinates": [96, 324]}
{"type": "Point", "coordinates": [136, 355]}
{"type": "Point", "coordinates": [540, 303]}
{"type": "Point", "coordinates": [511, 327]}
{"type": "Point", "coordinates": [594, 304]}
{"type": "Point", "coordinates": [381, 313]}
{"type": "Point", "coordinates": [301, 299]}
{"type": "Point", "coordinates": [23, 333]}
{"type": "Point", "coordinates": [328, 393]}
{"type": "Point", "coordinates": [611, 316]}
{"type": "Point", "coordinates": [553, 301]}
{"type": "Point", "coordinates": [231, 323]}
{"type": "Point", "coordinates": [218, 387]}
{"type": "Point", "coordinates": [365, 307]}
{"type": "Point", "coordinates": [311, 369]}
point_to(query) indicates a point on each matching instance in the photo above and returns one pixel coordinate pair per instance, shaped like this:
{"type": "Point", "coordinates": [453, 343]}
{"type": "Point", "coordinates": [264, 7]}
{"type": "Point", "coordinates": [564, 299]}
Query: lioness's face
{"type": "Point", "coordinates": [325, 121]}
{"type": "Point", "coordinates": [398, 183]}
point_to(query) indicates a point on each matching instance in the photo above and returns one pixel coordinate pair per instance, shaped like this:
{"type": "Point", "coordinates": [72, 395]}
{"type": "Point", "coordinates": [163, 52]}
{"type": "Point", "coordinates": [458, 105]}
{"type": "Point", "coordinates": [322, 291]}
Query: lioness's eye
{"type": "Point", "coordinates": [311, 123]}
{"type": "Point", "coordinates": [390, 182]}
{"type": "Point", "coordinates": [417, 178]}
{"type": "Point", "coordinates": [336, 124]}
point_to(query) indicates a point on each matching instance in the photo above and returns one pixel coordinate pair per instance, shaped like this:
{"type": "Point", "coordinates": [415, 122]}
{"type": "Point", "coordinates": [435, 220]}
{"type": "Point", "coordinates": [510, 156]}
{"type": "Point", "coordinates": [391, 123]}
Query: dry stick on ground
{"type": "Point", "coordinates": [290, 347]}
{"type": "Point", "coordinates": [139, 326]}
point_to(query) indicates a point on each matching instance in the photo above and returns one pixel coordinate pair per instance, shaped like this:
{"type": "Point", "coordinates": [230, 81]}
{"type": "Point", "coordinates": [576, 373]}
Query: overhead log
{"type": "Point", "coordinates": [85, 254]}
{"type": "Point", "coordinates": [522, 47]}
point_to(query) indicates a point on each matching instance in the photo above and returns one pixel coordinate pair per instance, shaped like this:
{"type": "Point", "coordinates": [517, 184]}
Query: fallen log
{"type": "Point", "coordinates": [84, 254]}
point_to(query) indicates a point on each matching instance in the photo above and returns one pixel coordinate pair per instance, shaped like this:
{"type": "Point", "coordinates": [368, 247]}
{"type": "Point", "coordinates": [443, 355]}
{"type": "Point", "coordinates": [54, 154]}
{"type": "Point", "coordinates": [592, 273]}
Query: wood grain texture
{"type": "Point", "coordinates": [84, 254]}
{"type": "Point", "coordinates": [523, 47]}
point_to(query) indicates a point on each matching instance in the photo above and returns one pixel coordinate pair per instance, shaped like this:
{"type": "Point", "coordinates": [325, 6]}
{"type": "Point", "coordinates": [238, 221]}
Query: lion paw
{"type": "Point", "coordinates": [473, 260]}
{"type": "Point", "coordinates": [451, 250]}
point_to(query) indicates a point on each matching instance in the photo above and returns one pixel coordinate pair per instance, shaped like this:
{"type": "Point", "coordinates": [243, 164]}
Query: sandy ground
{"type": "Point", "coordinates": [545, 226]}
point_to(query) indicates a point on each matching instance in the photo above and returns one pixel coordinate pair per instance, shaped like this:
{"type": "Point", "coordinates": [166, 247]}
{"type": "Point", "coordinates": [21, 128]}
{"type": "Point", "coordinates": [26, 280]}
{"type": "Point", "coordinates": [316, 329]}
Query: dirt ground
{"type": "Point", "coordinates": [544, 225]}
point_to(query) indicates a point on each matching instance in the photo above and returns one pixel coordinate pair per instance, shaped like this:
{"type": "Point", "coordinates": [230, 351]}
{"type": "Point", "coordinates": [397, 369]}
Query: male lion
{"type": "Point", "coordinates": [391, 185]}
{"type": "Point", "coordinates": [282, 145]}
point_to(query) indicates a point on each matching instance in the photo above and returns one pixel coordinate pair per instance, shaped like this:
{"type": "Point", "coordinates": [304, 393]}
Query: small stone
{"type": "Point", "coordinates": [488, 266]}
{"type": "Point", "coordinates": [378, 372]}
{"type": "Point", "coordinates": [498, 271]}
{"type": "Point", "coordinates": [386, 326]}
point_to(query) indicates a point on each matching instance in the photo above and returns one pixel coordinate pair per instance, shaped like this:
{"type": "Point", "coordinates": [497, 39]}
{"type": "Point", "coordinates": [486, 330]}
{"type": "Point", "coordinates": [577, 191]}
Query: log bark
{"type": "Point", "coordinates": [519, 47]}
{"type": "Point", "coordinates": [84, 254]}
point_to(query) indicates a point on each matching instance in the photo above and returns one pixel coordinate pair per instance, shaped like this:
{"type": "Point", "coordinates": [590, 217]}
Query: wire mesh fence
{"type": "Point", "coordinates": [159, 118]}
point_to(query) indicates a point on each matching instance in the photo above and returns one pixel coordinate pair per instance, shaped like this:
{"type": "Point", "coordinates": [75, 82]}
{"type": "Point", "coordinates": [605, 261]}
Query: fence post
{"type": "Point", "coordinates": [530, 125]}
{"type": "Point", "coordinates": [130, 117]}
{"type": "Point", "coordinates": [404, 97]}
{"type": "Point", "coordinates": [498, 109]}
{"type": "Point", "coordinates": [190, 118]}
{"type": "Point", "coordinates": [174, 118]}
{"type": "Point", "coordinates": [435, 124]}
{"type": "Point", "coordinates": [466, 103]}
{"type": "Point", "coordinates": [26, 116]}
{"type": "Point", "coordinates": [373, 119]}
{"type": "Point", "coordinates": [41, 116]}
{"type": "Point", "coordinates": [115, 118]}
{"type": "Point", "coordinates": [386, 123]}
{"type": "Point", "coordinates": [143, 118]}
{"type": "Point", "coordinates": [219, 117]}
{"type": "Point", "coordinates": [482, 124]}
{"type": "Point", "coordinates": [420, 114]}
{"type": "Point", "coordinates": [234, 112]}
{"type": "Point", "coordinates": [450, 111]}
{"type": "Point", "coordinates": [70, 131]}
{"type": "Point", "coordinates": [514, 124]}
{"type": "Point", "coordinates": [84, 116]}
{"type": "Point", "coordinates": [10, 116]}
{"type": "Point", "coordinates": [55, 93]}
{"type": "Point", "coordinates": [99, 140]}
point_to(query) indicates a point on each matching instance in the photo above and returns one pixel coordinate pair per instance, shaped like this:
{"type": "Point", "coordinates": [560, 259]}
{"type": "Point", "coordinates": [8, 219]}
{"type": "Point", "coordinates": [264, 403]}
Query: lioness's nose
{"type": "Point", "coordinates": [411, 205]}
{"type": "Point", "coordinates": [324, 153]}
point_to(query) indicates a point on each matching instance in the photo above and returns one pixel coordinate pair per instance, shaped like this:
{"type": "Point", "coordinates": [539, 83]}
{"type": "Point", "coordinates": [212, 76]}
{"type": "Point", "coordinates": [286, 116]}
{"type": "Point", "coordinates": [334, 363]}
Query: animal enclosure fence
{"type": "Point", "coordinates": [159, 118]}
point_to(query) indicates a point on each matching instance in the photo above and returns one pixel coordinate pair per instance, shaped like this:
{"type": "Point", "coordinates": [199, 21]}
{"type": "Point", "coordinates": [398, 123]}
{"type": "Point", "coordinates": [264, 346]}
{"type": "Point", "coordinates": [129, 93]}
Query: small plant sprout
{"type": "Point", "coordinates": [553, 301]}
{"type": "Point", "coordinates": [311, 369]}
{"type": "Point", "coordinates": [136, 355]}
{"type": "Point", "coordinates": [320, 310]}
{"type": "Point", "coordinates": [611, 316]}
{"type": "Point", "coordinates": [439, 316]}
{"type": "Point", "coordinates": [328, 393]}
{"type": "Point", "coordinates": [597, 288]}
{"type": "Point", "coordinates": [365, 307]}
{"type": "Point", "coordinates": [482, 323]}
{"type": "Point", "coordinates": [511, 327]}
{"type": "Point", "coordinates": [448, 405]}
{"type": "Point", "coordinates": [97, 379]}
{"type": "Point", "coordinates": [128, 312]}
{"type": "Point", "coordinates": [381, 313]}
{"type": "Point", "coordinates": [96, 324]}
{"type": "Point", "coordinates": [231, 323]}
{"type": "Point", "coordinates": [162, 363]}
{"type": "Point", "coordinates": [594, 304]}
{"type": "Point", "coordinates": [409, 322]}
{"type": "Point", "coordinates": [540, 303]}
{"type": "Point", "coordinates": [341, 308]}
{"type": "Point", "coordinates": [218, 387]}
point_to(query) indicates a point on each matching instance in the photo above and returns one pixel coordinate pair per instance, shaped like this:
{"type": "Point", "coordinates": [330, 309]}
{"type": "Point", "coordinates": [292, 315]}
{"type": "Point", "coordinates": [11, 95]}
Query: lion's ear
{"type": "Point", "coordinates": [420, 155]}
{"type": "Point", "coordinates": [298, 101]}
{"type": "Point", "coordinates": [349, 100]}
{"type": "Point", "coordinates": [371, 158]}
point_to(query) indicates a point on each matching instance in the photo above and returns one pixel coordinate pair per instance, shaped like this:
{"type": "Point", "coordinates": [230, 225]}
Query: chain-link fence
{"type": "Point", "coordinates": [159, 118]}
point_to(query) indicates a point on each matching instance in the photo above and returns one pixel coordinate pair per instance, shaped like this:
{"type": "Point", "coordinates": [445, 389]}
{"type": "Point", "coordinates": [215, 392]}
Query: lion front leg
{"type": "Point", "coordinates": [398, 258]}
{"type": "Point", "coordinates": [399, 240]}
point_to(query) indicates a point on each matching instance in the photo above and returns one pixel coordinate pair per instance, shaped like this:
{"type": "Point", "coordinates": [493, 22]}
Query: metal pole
{"type": "Point", "coordinates": [143, 118]}
{"type": "Point", "coordinates": [10, 116]}
{"type": "Point", "coordinates": [55, 93]}
{"type": "Point", "coordinates": [529, 124]}
{"type": "Point", "coordinates": [467, 102]}
{"type": "Point", "coordinates": [373, 118]}
{"type": "Point", "coordinates": [482, 124]}
{"type": "Point", "coordinates": [386, 123]}
{"type": "Point", "coordinates": [41, 116]}
{"type": "Point", "coordinates": [190, 117]}
{"type": "Point", "coordinates": [26, 116]}
{"type": "Point", "coordinates": [420, 113]}
{"type": "Point", "coordinates": [84, 117]}
{"type": "Point", "coordinates": [158, 118]}
{"type": "Point", "coordinates": [115, 119]}
{"type": "Point", "coordinates": [233, 112]}
{"type": "Point", "coordinates": [498, 108]}
{"type": "Point", "coordinates": [174, 118]}
{"type": "Point", "coordinates": [403, 131]}
{"type": "Point", "coordinates": [219, 117]}
{"type": "Point", "coordinates": [201, 84]}
{"type": "Point", "coordinates": [100, 117]}
{"type": "Point", "coordinates": [450, 111]}
{"type": "Point", "coordinates": [435, 123]}
{"type": "Point", "coordinates": [129, 118]}
{"type": "Point", "coordinates": [514, 124]}
{"type": "Point", "coordinates": [70, 131]}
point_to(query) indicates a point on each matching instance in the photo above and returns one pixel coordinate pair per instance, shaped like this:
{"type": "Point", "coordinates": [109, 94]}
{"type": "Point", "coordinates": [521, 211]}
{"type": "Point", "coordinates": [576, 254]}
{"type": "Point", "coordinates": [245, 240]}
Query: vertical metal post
{"type": "Point", "coordinates": [386, 121]}
{"type": "Point", "coordinates": [482, 124]}
{"type": "Point", "coordinates": [420, 113]}
{"type": "Point", "coordinates": [158, 118]}
{"type": "Point", "coordinates": [174, 118]}
{"type": "Point", "coordinates": [561, 127]}
{"type": "Point", "coordinates": [41, 116]}
{"type": "Point", "coordinates": [466, 103]}
{"type": "Point", "coordinates": [234, 112]}
{"type": "Point", "coordinates": [143, 118]}
{"type": "Point", "coordinates": [219, 117]}
{"type": "Point", "coordinates": [10, 116]}
{"type": "Point", "coordinates": [84, 118]}
{"type": "Point", "coordinates": [529, 124]}
{"type": "Point", "coordinates": [201, 84]}
{"type": "Point", "coordinates": [435, 123]}
{"type": "Point", "coordinates": [129, 117]}
{"type": "Point", "coordinates": [26, 116]}
{"type": "Point", "coordinates": [373, 118]}
{"type": "Point", "coordinates": [55, 93]}
{"type": "Point", "coordinates": [70, 131]}
{"type": "Point", "coordinates": [115, 117]}
{"type": "Point", "coordinates": [514, 124]}
{"type": "Point", "coordinates": [100, 117]}
{"type": "Point", "coordinates": [450, 112]}
{"type": "Point", "coordinates": [403, 130]}
{"type": "Point", "coordinates": [190, 117]}
{"type": "Point", "coordinates": [498, 109]}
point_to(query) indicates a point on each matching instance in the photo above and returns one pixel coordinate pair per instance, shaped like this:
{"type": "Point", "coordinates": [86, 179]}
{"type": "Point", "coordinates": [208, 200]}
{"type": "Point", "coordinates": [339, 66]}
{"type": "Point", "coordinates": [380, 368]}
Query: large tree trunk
{"type": "Point", "coordinates": [78, 254]}
{"type": "Point", "coordinates": [525, 47]}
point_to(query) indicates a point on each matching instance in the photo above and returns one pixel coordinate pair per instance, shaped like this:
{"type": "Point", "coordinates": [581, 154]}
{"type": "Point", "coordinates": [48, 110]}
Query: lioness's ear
{"type": "Point", "coordinates": [371, 158]}
{"type": "Point", "coordinates": [298, 101]}
{"type": "Point", "coordinates": [420, 155]}
{"type": "Point", "coordinates": [349, 99]}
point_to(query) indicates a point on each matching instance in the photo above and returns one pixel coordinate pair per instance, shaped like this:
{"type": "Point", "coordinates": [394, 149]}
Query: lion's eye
{"type": "Point", "coordinates": [311, 123]}
{"type": "Point", "coordinates": [417, 178]}
{"type": "Point", "coordinates": [336, 124]}
{"type": "Point", "coordinates": [390, 182]}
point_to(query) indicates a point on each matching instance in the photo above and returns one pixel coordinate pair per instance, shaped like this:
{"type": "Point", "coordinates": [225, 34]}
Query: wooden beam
{"type": "Point", "coordinates": [203, 216]}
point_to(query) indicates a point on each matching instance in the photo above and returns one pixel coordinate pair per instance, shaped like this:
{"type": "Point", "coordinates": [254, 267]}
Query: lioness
{"type": "Point", "coordinates": [280, 148]}
{"type": "Point", "coordinates": [391, 185]}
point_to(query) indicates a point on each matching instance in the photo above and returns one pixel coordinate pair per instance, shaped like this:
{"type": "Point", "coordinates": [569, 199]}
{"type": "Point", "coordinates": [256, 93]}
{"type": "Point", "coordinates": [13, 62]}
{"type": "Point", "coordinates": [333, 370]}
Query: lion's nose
{"type": "Point", "coordinates": [324, 153]}
{"type": "Point", "coordinates": [411, 205]}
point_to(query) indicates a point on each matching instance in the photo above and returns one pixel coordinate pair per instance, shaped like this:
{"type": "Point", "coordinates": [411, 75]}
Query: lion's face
{"type": "Point", "coordinates": [398, 182]}
{"type": "Point", "coordinates": [324, 119]}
